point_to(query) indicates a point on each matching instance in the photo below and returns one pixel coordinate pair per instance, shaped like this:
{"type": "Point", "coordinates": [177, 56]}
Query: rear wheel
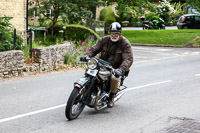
{"type": "Point", "coordinates": [75, 105]}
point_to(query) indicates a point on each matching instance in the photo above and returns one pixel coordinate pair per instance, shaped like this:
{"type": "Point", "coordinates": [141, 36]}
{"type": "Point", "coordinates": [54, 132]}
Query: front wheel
{"type": "Point", "coordinates": [75, 105]}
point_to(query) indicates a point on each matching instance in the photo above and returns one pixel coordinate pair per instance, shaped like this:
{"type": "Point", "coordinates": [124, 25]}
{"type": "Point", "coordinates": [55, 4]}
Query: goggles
{"type": "Point", "coordinates": [116, 34]}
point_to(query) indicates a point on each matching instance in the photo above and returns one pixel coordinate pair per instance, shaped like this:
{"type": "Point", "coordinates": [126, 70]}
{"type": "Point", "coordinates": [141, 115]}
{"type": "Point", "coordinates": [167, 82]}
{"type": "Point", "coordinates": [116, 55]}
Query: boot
{"type": "Point", "coordinates": [111, 100]}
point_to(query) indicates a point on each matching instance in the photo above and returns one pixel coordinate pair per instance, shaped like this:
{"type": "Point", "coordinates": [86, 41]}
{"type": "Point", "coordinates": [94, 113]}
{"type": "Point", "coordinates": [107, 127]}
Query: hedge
{"type": "Point", "coordinates": [107, 15]}
{"type": "Point", "coordinates": [79, 33]}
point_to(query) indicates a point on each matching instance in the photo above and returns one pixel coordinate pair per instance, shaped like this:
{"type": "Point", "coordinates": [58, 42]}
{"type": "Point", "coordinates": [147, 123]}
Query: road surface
{"type": "Point", "coordinates": [163, 96]}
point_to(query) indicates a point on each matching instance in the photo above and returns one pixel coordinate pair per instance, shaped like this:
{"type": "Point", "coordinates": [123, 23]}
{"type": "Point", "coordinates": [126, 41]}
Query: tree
{"type": "Point", "coordinates": [63, 10]}
{"type": "Point", "coordinates": [121, 4]}
{"type": "Point", "coordinates": [69, 11]}
{"type": "Point", "coordinates": [90, 5]}
{"type": "Point", "coordinates": [194, 3]}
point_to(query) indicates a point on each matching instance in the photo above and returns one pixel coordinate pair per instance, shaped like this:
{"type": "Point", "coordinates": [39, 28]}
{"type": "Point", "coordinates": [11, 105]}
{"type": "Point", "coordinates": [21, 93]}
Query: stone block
{"type": "Point", "coordinates": [5, 73]}
{"type": "Point", "coordinates": [32, 69]}
{"type": "Point", "coordinates": [7, 76]}
{"type": "Point", "coordinates": [15, 73]}
{"type": "Point", "coordinates": [1, 75]}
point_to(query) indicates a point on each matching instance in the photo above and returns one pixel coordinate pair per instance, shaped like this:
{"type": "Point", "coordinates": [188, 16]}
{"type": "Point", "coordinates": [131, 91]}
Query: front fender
{"type": "Point", "coordinates": [82, 82]}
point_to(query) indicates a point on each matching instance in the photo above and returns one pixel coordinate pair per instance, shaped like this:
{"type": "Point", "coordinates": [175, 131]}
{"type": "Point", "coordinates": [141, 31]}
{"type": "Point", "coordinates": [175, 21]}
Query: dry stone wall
{"type": "Point", "coordinates": [44, 60]}
{"type": "Point", "coordinates": [50, 58]}
{"type": "Point", "coordinates": [11, 63]}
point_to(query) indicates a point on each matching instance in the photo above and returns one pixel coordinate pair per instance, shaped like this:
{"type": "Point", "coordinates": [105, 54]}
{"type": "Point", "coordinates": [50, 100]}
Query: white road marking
{"type": "Point", "coordinates": [148, 85]}
{"type": "Point", "coordinates": [195, 53]}
{"type": "Point", "coordinates": [147, 51]}
{"type": "Point", "coordinates": [164, 50]}
{"type": "Point", "coordinates": [197, 75]}
{"type": "Point", "coordinates": [63, 105]}
{"type": "Point", "coordinates": [157, 59]}
{"type": "Point", "coordinates": [31, 113]}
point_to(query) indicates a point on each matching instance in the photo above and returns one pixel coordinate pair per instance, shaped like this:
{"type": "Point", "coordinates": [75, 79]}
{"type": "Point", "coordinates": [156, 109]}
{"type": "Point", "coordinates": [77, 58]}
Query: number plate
{"type": "Point", "coordinates": [92, 72]}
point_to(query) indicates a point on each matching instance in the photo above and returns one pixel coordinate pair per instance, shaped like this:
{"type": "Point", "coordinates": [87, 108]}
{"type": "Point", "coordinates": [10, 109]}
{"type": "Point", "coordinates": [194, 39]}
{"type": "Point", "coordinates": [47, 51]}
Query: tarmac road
{"type": "Point", "coordinates": [163, 90]}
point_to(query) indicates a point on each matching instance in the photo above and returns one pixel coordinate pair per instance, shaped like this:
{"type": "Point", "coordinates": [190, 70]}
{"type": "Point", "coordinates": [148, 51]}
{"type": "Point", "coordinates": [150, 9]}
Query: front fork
{"type": "Point", "coordinates": [85, 86]}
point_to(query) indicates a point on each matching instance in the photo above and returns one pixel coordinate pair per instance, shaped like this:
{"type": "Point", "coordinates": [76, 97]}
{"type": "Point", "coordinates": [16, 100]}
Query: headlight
{"type": "Point", "coordinates": [92, 64]}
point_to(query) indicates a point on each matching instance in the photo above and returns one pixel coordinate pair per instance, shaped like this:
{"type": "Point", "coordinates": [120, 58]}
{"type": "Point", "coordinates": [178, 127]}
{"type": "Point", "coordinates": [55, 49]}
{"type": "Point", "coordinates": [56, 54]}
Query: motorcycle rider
{"type": "Point", "coordinates": [116, 50]}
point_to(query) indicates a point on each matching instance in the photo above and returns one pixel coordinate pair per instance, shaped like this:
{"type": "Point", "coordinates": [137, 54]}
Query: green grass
{"type": "Point", "coordinates": [163, 37]}
{"type": "Point", "coordinates": [198, 43]}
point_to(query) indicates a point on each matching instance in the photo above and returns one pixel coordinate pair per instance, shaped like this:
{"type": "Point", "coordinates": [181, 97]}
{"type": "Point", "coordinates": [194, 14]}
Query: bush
{"type": "Point", "coordinates": [107, 15]}
{"type": "Point", "coordinates": [79, 33]}
{"type": "Point", "coordinates": [75, 52]}
{"type": "Point", "coordinates": [49, 41]}
{"type": "Point", "coordinates": [58, 27]}
{"type": "Point", "coordinates": [6, 34]}
{"type": "Point", "coordinates": [151, 16]}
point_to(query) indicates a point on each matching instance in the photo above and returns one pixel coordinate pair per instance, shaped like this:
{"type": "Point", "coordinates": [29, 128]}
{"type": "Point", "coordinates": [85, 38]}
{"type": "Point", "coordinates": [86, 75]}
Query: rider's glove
{"type": "Point", "coordinates": [84, 58]}
{"type": "Point", "coordinates": [118, 73]}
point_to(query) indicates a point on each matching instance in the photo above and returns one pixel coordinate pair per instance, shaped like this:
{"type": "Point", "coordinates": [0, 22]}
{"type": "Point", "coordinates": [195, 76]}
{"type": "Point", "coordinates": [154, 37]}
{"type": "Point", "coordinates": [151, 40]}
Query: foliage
{"type": "Point", "coordinates": [107, 15]}
{"type": "Point", "coordinates": [130, 14]}
{"type": "Point", "coordinates": [151, 7]}
{"type": "Point", "coordinates": [91, 6]}
{"type": "Point", "coordinates": [6, 40]}
{"type": "Point", "coordinates": [48, 41]}
{"type": "Point", "coordinates": [7, 35]}
{"type": "Point", "coordinates": [44, 22]}
{"type": "Point", "coordinates": [129, 9]}
{"type": "Point", "coordinates": [79, 33]}
{"type": "Point", "coordinates": [31, 12]}
{"type": "Point", "coordinates": [71, 11]}
{"type": "Point", "coordinates": [151, 16]}
{"type": "Point", "coordinates": [25, 49]}
{"type": "Point", "coordinates": [194, 3]}
{"type": "Point", "coordinates": [122, 4]}
{"type": "Point", "coordinates": [76, 51]}
{"type": "Point", "coordinates": [99, 23]}
{"type": "Point", "coordinates": [164, 9]}
{"type": "Point", "coordinates": [58, 27]}
{"type": "Point", "coordinates": [178, 11]}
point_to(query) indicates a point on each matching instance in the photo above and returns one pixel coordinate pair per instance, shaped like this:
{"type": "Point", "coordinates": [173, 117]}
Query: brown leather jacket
{"type": "Point", "coordinates": [119, 53]}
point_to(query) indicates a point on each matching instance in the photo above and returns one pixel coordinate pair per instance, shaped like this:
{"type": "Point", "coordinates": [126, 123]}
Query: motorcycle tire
{"type": "Point", "coordinates": [74, 105]}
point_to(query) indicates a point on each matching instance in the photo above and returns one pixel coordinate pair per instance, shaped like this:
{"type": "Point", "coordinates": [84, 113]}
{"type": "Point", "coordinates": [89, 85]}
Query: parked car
{"type": "Point", "coordinates": [189, 21]}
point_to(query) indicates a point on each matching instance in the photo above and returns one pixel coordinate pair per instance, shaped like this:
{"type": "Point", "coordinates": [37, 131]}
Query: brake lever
{"type": "Point", "coordinates": [88, 58]}
{"type": "Point", "coordinates": [79, 63]}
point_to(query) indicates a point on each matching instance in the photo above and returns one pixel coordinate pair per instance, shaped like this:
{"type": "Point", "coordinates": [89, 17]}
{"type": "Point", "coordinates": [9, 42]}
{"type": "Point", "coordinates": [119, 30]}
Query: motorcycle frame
{"type": "Point", "coordinates": [91, 82]}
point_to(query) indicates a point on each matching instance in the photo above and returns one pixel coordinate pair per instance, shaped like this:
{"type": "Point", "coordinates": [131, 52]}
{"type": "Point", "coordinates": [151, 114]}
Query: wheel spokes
{"type": "Point", "coordinates": [77, 104]}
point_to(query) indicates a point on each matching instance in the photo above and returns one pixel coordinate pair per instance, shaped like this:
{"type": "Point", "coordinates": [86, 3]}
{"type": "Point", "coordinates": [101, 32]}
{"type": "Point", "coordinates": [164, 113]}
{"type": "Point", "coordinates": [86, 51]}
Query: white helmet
{"type": "Point", "coordinates": [115, 27]}
{"type": "Point", "coordinates": [115, 31]}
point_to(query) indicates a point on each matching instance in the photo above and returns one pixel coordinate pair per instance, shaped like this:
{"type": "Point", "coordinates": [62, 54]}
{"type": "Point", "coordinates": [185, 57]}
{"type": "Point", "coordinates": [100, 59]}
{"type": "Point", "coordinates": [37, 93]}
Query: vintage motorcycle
{"type": "Point", "coordinates": [93, 88]}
